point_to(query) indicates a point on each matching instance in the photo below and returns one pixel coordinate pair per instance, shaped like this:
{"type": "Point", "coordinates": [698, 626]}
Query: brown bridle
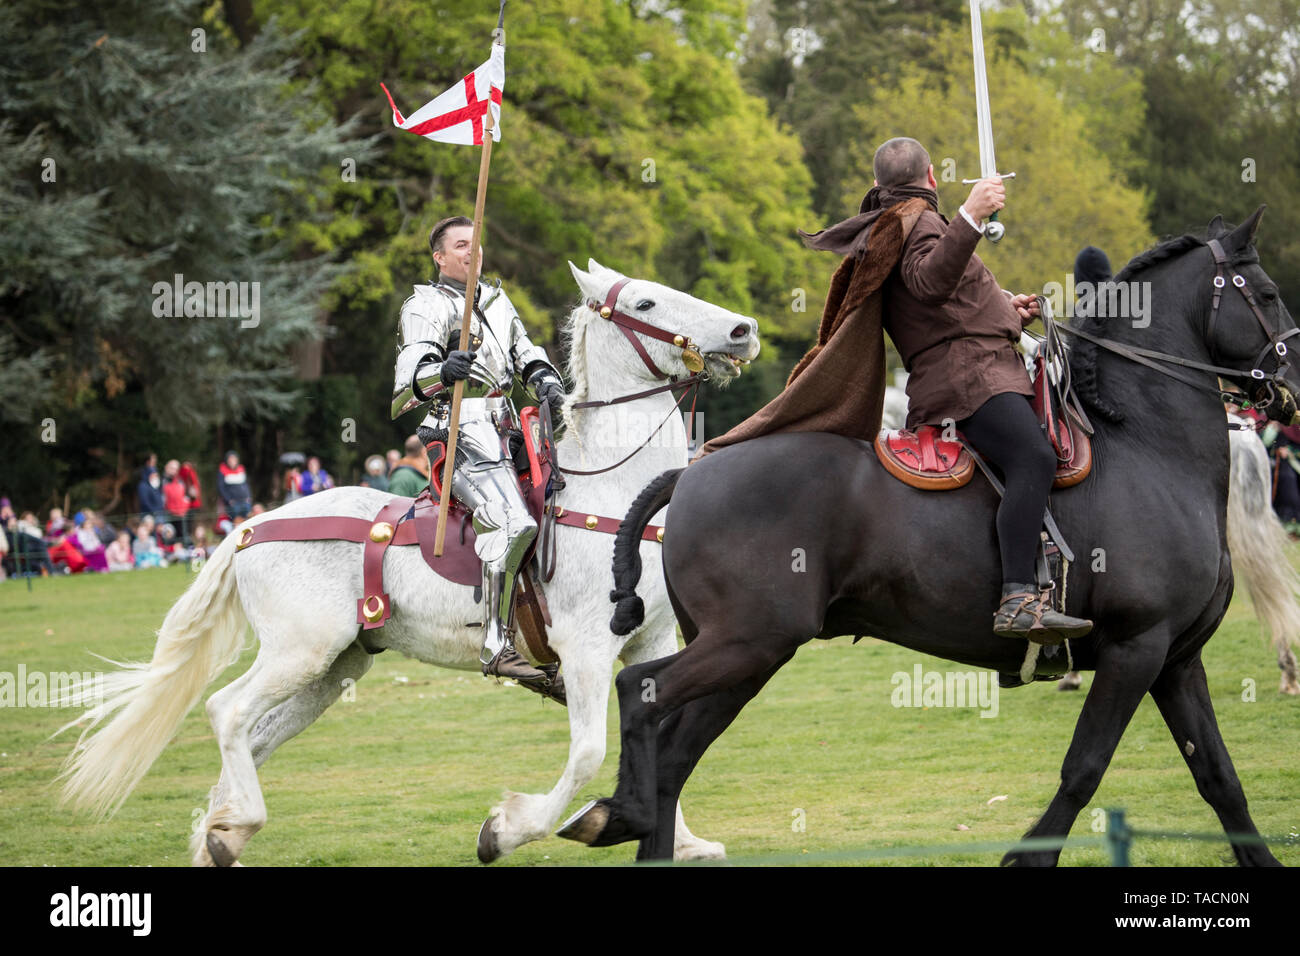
{"type": "Point", "coordinates": [691, 357]}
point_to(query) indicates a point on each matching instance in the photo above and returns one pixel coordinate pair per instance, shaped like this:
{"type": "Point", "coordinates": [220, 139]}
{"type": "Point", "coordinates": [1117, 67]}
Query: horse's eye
{"type": "Point", "coordinates": [1268, 295]}
{"type": "Point", "coordinates": [644, 305]}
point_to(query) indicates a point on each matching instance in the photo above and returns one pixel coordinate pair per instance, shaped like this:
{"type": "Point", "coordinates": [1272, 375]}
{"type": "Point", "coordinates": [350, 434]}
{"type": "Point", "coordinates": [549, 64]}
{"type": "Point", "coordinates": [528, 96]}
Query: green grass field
{"type": "Point", "coordinates": [406, 772]}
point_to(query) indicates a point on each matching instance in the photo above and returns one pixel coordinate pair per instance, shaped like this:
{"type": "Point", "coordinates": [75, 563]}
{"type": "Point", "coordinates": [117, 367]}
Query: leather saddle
{"type": "Point", "coordinates": [924, 459]}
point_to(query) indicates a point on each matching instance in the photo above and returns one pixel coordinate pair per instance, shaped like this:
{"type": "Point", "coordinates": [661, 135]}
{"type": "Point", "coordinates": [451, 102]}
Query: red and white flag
{"type": "Point", "coordinates": [457, 115]}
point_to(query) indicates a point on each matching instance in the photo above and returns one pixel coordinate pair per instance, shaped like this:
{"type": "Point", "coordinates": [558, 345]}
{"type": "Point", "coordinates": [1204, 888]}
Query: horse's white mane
{"type": "Point", "coordinates": [574, 334]}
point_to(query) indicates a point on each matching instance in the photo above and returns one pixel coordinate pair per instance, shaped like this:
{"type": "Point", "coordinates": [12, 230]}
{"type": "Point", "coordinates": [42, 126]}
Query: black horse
{"type": "Point", "coordinates": [921, 569]}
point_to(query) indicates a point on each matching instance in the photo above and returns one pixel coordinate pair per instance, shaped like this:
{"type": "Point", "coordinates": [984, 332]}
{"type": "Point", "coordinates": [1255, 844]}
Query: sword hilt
{"type": "Point", "coordinates": [994, 231]}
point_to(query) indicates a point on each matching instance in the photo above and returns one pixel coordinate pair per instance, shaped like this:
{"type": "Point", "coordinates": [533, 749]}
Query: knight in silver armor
{"type": "Point", "coordinates": [429, 363]}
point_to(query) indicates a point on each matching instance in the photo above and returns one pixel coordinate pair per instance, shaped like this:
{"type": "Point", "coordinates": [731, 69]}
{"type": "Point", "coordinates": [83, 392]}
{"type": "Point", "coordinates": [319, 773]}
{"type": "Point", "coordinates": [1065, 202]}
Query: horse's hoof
{"type": "Point", "coordinates": [221, 856]}
{"type": "Point", "coordinates": [585, 825]}
{"type": "Point", "coordinates": [1071, 681]}
{"type": "Point", "coordinates": [488, 848]}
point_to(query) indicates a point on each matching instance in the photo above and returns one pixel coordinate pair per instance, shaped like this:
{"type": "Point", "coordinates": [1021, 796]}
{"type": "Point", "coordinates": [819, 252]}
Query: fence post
{"type": "Point", "coordinates": [1118, 837]}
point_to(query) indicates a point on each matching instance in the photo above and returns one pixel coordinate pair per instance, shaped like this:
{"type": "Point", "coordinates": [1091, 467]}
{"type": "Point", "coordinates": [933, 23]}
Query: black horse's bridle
{"type": "Point", "coordinates": [1271, 389]}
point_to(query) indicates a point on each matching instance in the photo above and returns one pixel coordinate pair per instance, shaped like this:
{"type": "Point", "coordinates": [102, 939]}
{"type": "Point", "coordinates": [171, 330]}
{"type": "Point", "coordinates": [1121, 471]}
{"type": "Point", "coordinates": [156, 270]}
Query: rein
{"type": "Point", "coordinates": [694, 379]}
{"type": "Point", "coordinates": [1149, 357]}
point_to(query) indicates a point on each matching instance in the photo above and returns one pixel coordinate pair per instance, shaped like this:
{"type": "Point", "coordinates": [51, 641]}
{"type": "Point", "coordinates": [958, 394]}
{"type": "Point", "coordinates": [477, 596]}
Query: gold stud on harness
{"type": "Point", "coordinates": [591, 522]}
{"type": "Point", "coordinates": [659, 535]}
{"type": "Point", "coordinates": [381, 532]}
{"type": "Point", "coordinates": [245, 538]}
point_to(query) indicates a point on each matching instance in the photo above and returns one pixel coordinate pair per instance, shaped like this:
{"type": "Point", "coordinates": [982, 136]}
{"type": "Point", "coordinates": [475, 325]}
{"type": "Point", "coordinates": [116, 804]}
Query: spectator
{"type": "Point", "coordinates": [315, 478]}
{"type": "Point", "coordinates": [107, 533]}
{"type": "Point", "coordinates": [257, 510]}
{"type": "Point", "coordinates": [411, 475]}
{"type": "Point", "coordinates": [232, 486]}
{"type": "Point", "coordinates": [27, 550]}
{"type": "Point", "coordinates": [149, 492]}
{"type": "Point", "coordinates": [118, 553]}
{"type": "Point", "coordinates": [55, 526]}
{"type": "Point", "coordinates": [193, 490]}
{"type": "Point", "coordinates": [145, 550]}
{"type": "Point", "coordinates": [376, 473]}
{"type": "Point", "coordinates": [201, 543]}
{"type": "Point", "coordinates": [174, 498]}
{"type": "Point", "coordinates": [292, 484]}
{"type": "Point", "coordinates": [64, 552]}
{"type": "Point", "coordinates": [392, 456]}
{"type": "Point", "coordinates": [87, 542]}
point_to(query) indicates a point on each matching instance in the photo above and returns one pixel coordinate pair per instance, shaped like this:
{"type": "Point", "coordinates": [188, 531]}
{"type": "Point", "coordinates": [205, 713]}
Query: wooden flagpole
{"type": "Point", "coordinates": [471, 289]}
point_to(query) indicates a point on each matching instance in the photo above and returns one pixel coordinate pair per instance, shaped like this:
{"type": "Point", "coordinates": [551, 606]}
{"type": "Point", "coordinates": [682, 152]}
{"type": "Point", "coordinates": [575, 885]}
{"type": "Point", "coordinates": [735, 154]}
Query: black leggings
{"type": "Point", "coordinates": [1006, 432]}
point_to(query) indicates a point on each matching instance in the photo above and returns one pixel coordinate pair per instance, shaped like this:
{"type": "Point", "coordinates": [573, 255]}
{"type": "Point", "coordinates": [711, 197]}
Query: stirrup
{"type": "Point", "coordinates": [1025, 615]}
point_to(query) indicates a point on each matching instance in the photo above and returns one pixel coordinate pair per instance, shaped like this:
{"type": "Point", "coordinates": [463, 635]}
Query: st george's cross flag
{"type": "Point", "coordinates": [457, 115]}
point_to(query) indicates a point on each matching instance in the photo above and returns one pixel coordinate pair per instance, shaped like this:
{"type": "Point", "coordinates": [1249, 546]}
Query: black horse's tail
{"type": "Point", "coordinates": [630, 611]}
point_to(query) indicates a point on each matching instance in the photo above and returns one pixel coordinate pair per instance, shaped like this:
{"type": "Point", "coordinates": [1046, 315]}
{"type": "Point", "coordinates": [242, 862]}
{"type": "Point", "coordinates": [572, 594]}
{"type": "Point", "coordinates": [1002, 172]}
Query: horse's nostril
{"type": "Point", "coordinates": [740, 331]}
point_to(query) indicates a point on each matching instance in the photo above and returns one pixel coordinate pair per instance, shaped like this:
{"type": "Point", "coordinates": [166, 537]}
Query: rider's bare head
{"type": "Point", "coordinates": [450, 242]}
{"type": "Point", "coordinates": [902, 161]}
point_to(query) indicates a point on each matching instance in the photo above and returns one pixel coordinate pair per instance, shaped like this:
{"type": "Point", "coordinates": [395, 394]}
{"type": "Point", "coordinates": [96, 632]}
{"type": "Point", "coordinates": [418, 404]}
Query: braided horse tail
{"type": "Point", "coordinates": [630, 611]}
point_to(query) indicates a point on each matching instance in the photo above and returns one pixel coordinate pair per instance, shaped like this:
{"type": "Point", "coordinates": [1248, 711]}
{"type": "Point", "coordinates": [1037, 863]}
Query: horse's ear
{"type": "Point", "coordinates": [593, 289]}
{"type": "Point", "coordinates": [595, 268]}
{"type": "Point", "coordinates": [1215, 229]}
{"type": "Point", "coordinates": [1244, 234]}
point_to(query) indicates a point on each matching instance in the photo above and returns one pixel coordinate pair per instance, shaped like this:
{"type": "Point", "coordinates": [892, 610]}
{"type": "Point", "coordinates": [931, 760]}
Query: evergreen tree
{"type": "Point", "coordinates": [141, 146]}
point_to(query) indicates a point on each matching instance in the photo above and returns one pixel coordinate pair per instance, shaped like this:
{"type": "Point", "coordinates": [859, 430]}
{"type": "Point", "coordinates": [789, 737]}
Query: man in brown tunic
{"type": "Point", "coordinates": [956, 331]}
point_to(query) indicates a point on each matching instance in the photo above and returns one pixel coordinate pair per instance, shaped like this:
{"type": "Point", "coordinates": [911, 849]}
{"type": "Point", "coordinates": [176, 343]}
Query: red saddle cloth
{"type": "Point", "coordinates": [924, 460]}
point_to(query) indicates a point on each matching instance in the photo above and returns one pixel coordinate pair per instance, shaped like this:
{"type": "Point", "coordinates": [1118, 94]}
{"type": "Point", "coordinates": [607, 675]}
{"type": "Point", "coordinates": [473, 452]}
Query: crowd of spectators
{"type": "Point", "coordinates": [167, 528]}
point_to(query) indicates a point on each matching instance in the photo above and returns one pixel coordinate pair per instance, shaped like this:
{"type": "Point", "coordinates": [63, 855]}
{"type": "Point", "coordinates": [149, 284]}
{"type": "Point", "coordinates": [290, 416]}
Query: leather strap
{"type": "Point", "coordinates": [627, 324]}
{"type": "Point", "coordinates": [373, 608]}
{"type": "Point", "coordinates": [330, 528]}
{"type": "Point", "coordinates": [635, 395]}
{"type": "Point", "coordinates": [600, 471]}
{"type": "Point", "coordinates": [579, 519]}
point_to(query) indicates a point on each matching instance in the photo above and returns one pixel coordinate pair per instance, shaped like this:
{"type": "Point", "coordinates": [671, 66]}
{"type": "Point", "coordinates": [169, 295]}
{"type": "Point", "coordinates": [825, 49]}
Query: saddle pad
{"type": "Point", "coordinates": [923, 459]}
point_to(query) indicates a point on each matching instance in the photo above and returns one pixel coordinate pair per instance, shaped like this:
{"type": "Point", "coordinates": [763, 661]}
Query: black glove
{"type": "Point", "coordinates": [455, 367]}
{"type": "Point", "coordinates": [550, 390]}
{"type": "Point", "coordinates": [546, 385]}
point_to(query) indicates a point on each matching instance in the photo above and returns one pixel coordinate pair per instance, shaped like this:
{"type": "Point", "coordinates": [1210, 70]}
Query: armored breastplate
{"type": "Point", "coordinates": [489, 336]}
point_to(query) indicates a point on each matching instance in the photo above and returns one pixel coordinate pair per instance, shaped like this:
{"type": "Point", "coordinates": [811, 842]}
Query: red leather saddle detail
{"type": "Point", "coordinates": [1072, 445]}
{"type": "Point", "coordinates": [923, 459]}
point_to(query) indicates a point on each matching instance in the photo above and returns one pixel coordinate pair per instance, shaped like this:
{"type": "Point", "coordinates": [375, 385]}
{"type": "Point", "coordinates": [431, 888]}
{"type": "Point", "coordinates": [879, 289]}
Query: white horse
{"type": "Point", "coordinates": [300, 598]}
{"type": "Point", "coordinates": [1259, 544]}
{"type": "Point", "coordinates": [1256, 540]}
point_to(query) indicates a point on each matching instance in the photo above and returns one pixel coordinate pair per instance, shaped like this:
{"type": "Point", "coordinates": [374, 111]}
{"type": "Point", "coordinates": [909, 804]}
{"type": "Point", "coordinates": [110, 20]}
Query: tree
{"type": "Point", "coordinates": [143, 147]}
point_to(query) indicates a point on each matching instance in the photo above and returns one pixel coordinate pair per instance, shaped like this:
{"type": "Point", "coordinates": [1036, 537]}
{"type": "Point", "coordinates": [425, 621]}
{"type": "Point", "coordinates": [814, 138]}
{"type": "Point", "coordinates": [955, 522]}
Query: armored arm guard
{"type": "Point", "coordinates": [427, 318]}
